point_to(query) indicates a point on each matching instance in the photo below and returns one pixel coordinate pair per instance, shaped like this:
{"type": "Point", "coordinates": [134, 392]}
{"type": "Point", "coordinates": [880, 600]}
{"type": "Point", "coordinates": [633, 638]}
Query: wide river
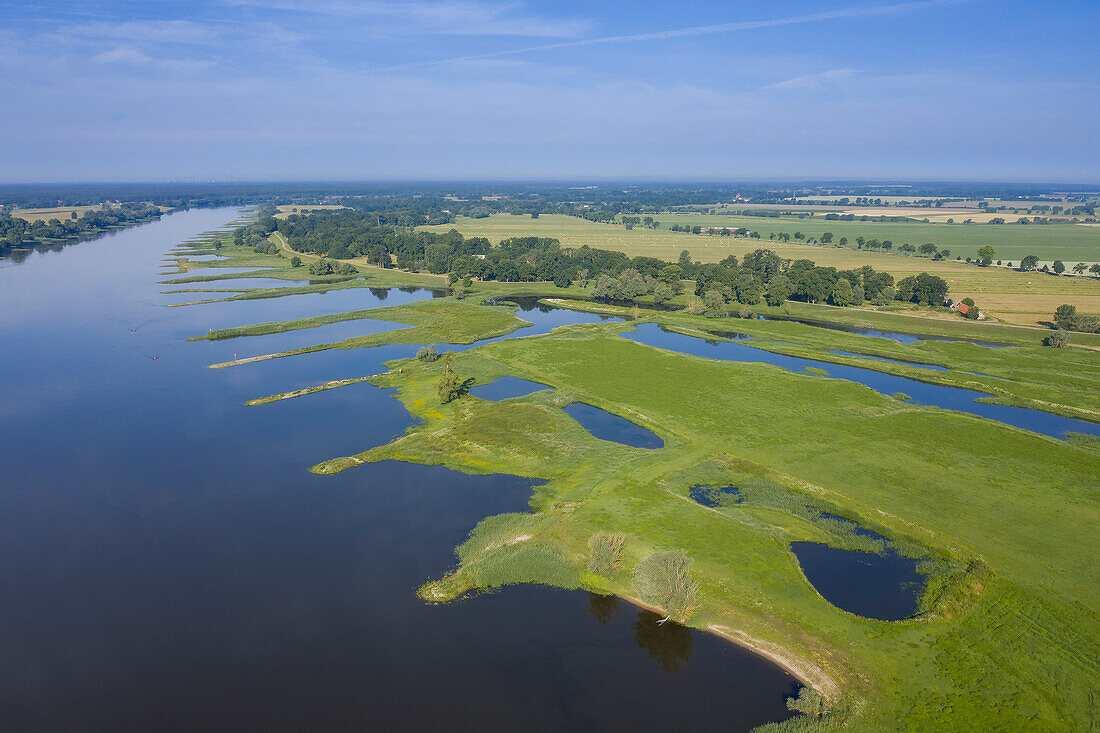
{"type": "Point", "coordinates": [168, 563]}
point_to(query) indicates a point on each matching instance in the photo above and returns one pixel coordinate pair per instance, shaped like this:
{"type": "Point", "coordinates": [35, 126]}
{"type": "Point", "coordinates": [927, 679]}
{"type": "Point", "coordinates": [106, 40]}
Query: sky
{"type": "Point", "coordinates": [115, 90]}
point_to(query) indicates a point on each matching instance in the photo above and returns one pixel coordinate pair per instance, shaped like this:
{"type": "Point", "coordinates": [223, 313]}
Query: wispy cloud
{"type": "Point", "coordinates": [457, 17]}
{"type": "Point", "coordinates": [705, 30]}
{"type": "Point", "coordinates": [815, 82]}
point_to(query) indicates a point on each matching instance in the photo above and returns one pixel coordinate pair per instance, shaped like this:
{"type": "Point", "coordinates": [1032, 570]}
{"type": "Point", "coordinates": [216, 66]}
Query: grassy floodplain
{"type": "Point", "coordinates": [1007, 639]}
{"type": "Point", "coordinates": [1014, 297]}
{"type": "Point", "coordinates": [1005, 521]}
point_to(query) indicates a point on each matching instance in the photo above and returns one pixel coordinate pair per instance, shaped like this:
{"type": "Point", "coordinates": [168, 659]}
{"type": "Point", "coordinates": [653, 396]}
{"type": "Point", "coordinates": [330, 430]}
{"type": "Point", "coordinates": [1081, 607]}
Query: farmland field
{"type": "Point", "coordinates": [60, 212]}
{"type": "Point", "coordinates": [1016, 297]}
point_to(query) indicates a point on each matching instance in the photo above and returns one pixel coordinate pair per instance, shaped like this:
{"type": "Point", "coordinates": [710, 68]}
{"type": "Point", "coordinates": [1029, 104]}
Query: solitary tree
{"type": "Point", "coordinates": [1059, 267]}
{"type": "Point", "coordinates": [987, 253]}
{"type": "Point", "coordinates": [295, 261]}
{"type": "Point", "coordinates": [1030, 262]}
{"type": "Point", "coordinates": [664, 580]}
{"type": "Point", "coordinates": [451, 386]}
{"type": "Point", "coordinates": [1057, 340]}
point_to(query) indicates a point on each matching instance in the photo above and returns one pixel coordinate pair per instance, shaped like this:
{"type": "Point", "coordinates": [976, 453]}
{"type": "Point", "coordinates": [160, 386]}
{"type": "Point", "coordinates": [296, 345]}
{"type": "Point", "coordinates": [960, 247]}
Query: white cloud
{"type": "Point", "coordinates": [815, 82]}
{"type": "Point", "coordinates": [121, 55]}
{"type": "Point", "coordinates": [456, 17]}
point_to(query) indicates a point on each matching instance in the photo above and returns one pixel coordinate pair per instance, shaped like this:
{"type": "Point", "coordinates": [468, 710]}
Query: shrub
{"type": "Point", "coordinates": [427, 353]}
{"type": "Point", "coordinates": [295, 261]}
{"type": "Point", "coordinates": [664, 580]}
{"type": "Point", "coordinates": [1057, 340]}
{"type": "Point", "coordinates": [808, 702]}
{"type": "Point", "coordinates": [605, 553]}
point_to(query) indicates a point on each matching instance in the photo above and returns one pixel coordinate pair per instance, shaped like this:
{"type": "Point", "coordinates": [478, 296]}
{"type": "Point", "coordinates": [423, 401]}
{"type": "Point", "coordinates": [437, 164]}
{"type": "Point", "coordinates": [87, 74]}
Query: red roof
{"type": "Point", "coordinates": [962, 308]}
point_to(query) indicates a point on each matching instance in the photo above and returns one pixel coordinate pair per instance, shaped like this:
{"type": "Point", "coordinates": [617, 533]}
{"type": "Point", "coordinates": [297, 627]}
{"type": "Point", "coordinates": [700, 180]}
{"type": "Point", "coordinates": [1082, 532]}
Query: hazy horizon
{"type": "Point", "coordinates": [480, 90]}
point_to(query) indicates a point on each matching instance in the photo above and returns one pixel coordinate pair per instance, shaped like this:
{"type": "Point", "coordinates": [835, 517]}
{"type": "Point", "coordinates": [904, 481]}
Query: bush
{"type": "Point", "coordinates": [605, 553]}
{"type": "Point", "coordinates": [427, 353]}
{"type": "Point", "coordinates": [526, 562]}
{"type": "Point", "coordinates": [663, 579]}
{"type": "Point", "coordinates": [295, 261]}
{"type": "Point", "coordinates": [1058, 340]}
{"type": "Point", "coordinates": [809, 703]}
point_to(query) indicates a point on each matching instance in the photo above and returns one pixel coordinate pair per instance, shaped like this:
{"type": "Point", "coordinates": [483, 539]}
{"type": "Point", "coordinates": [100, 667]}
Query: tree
{"type": "Point", "coordinates": [1095, 269]}
{"type": "Point", "coordinates": [664, 580]}
{"type": "Point", "coordinates": [827, 237]}
{"type": "Point", "coordinates": [605, 552]}
{"type": "Point", "coordinates": [451, 386]}
{"type": "Point", "coordinates": [1065, 316]}
{"type": "Point", "coordinates": [779, 289]}
{"type": "Point", "coordinates": [809, 702]}
{"type": "Point", "coordinates": [1059, 267]}
{"type": "Point", "coordinates": [685, 259]}
{"type": "Point", "coordinates": [662, 293]}
{"type": "Point", "coordinates": [295, 261]}
{"type": "Point", "coordinates": [987, 253]}
{"type": "Point", "coordinates": [671, 275]}
{"type": "Point", "coordinates": [1080, 267]}
{"type": "Point", "coordinates": [605, 287]}
{"type": "Point", "coordinates": [1029, 262]}
{"type": "Point", "coordinates": [427, 353]}
{"type": "Point", "coordinates": [715, 304]}
{"type": "Point", "coordinates": [1058, 340]}
{"type": "Point", "coordinates": [842, 293]}
{"type": "Point", "coordinates": [927, 248]}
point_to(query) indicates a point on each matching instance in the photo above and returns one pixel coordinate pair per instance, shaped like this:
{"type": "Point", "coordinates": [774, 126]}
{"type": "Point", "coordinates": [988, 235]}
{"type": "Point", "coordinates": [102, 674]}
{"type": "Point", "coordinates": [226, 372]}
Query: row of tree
{"type": "Point", "coordinates": [18, 233]}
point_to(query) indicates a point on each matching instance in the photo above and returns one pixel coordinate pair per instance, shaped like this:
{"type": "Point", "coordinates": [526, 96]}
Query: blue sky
{"type": "Point", "coordinates": [440, 89]}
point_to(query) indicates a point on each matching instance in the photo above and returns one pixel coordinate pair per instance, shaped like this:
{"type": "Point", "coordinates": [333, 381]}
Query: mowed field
{"type": "Point", "coordinates": [1070, 243]}
{"type": "Point", "coordinates": [1015, 297]}
{"type": "Point", "coordinates": [61, 212]}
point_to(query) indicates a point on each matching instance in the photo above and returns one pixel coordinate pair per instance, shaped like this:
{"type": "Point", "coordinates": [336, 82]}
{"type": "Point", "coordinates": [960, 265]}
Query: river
{"type": "Point", "coordinates": [170, 564]}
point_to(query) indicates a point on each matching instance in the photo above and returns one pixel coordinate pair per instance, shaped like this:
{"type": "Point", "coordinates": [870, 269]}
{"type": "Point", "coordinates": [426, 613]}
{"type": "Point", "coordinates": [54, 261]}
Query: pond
{"type": "Point", "coordinates": [507, 387]}
{"type": "Point", "coordinates": [884, 585]}
{"type": "Point", "coordinates": [922, 393]}
{"type": "Point", "coordinates": [170, 564]}
{"type": "Point", "coordinates": [608, 426]}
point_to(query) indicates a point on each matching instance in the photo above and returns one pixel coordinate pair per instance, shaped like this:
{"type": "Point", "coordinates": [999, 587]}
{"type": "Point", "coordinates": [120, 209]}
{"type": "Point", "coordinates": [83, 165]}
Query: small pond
{"type": "Point", "coordinates": [607, 426]}
{"type": "Point", "coordinates": [506, 387]}
{"type": "Point", "coordinates": [713, 496]}
{"type": "Point", "coordinates": [884, 586]}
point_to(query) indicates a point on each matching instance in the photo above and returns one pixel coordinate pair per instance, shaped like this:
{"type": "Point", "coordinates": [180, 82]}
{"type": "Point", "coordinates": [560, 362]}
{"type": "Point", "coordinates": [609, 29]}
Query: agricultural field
{"type": "Point", "coordinates": [1015, 297]}
{"type": "Point", "coordinates": [287, 209]}
{"type": "Point", "coordinates": [1070, 243]}
{"type": "Point", "coordinates": [61, 212]}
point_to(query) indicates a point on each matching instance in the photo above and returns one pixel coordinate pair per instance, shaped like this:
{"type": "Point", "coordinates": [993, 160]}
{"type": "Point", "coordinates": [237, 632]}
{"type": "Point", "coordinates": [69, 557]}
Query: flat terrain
{"type": "Point", "coordinates": [61, 212]}
{"type": "Point", "coordinates": [1005, 521]}
{"type": "Point", "coordinates": [1015, 297]}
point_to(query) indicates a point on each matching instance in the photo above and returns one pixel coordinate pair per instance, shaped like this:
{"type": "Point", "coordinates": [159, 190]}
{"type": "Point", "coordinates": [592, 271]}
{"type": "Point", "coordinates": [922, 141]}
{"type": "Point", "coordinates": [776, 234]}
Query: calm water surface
{"type": "Point", "coordinates": [169, 563]}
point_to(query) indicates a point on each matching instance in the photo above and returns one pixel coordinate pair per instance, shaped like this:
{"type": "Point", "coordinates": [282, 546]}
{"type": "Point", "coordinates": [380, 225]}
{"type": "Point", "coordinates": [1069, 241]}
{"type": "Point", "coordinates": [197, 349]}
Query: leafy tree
{"type": "Point", "coordinates": [809, 702]}
{"type": "Point", "coordinates": [606, 287]}
{"type": "Point", "coordinates": [1029, 262]}
{"type": "Point", "coordinates": [1095, 268]}
{"type": "Point", "coordinates": [1079, 267]}
{"type": "Point", "coordinates": [1058, 340]}
{"type": "Point", "coordinates": [927, 248]}
{"type": "Point", "coordinates": [1059, 267]}
{"type": "Point", "coordinates": [685, 259]}
{"type": "Point", "coordinates": [605, 552]}
{"type": "Point", "coordinates": [427, 353]}
{"type": "Point", "coordinates": [662, 293]}
{"type": "Point", "coordinates": [987, 253]}
{"type": "Point", "coordinates": [664, 580]}
{"type": "Point", "coordinates": [295, 261]}
{"type": "Point", "coordinates": [842, 293]}
{"type": "Point", "coordinates": [451, 386]}
{"type": "Point", "coordinates": [779, 289]}
{"type": "Point", "coordinates": [1065, 316]}
{"type": "Point", "coordinates": [715, 304]}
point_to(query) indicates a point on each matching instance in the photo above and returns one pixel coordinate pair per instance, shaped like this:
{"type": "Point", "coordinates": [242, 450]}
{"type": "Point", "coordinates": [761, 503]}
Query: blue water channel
{"type": "Point", "coordinates": [950, 398]}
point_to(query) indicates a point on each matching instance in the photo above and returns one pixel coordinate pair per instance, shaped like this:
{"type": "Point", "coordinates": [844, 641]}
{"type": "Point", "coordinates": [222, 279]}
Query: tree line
{"type": "Point", "coordinates": [16, 233]}
{"type": "Point", "coordinates": [760, 276]}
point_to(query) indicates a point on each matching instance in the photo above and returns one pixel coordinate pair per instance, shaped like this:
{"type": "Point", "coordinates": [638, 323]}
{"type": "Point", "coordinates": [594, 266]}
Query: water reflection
{"type": "Point", "coordinates": [603, 608]}
{"type": "Point", "coordinates": [669, 644]}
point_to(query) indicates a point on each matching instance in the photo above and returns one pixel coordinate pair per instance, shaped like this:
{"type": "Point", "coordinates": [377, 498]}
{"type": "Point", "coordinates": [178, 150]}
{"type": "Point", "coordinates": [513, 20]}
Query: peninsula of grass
{"type": "Point", "coordinates": [1007, 637]}
{"type": "Point", "coordinates": [439, 320]}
